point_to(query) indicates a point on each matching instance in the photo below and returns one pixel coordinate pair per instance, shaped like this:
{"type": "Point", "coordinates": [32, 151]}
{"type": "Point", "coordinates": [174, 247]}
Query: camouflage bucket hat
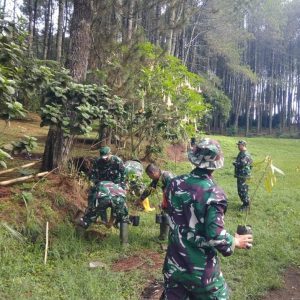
{"type": "Point", "coordinates": [133, 167]}
{"type": "Point", "coordinates": [207, 154]}
{"type": "Point", "coordinates": [241, 142]}
{"type": "Point", "coordinates": [104, 152]}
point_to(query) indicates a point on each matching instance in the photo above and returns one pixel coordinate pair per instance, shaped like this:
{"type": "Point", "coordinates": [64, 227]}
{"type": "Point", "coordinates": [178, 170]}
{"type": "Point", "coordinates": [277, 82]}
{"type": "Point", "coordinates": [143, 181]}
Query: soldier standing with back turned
{"type": "Point", "coordinates": [196, 206]}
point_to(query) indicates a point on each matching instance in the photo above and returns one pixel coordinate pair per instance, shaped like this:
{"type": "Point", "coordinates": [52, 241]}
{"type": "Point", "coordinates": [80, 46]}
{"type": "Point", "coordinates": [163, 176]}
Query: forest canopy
{"type": "Point", "coordinates": [165, 69]}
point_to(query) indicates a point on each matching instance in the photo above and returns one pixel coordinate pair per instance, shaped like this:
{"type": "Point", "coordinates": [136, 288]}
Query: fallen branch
{"type": "Point", "coordinates": [21, 179]}
{"type": "Point", "coordinates": [42, 178]}
{"type": "Point", "coordinates": [20, 167]}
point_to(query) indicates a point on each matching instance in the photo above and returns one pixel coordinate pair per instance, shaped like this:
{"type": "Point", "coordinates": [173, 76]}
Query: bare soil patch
{"type": "Point", "coordinates": [5, 192]}
{"type": "Point", "coordinates": [177, 152]}
{"type": "Point", "coordinates": [291, 288]}
{"type": "Point", "coordinates": [147, 260]}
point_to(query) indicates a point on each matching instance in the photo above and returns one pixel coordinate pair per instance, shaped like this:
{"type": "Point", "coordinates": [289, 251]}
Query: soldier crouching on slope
{"type": "Point", "coordinates": [108, 194]}
{"type": "Point", "coordinates": [107, 167]}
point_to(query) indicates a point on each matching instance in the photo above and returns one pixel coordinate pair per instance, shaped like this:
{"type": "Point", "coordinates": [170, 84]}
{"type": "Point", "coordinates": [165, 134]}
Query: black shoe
{"type": "Point", "coordinates": [244, 207]}
{"type": "Point", "coordinates": [81, 223]}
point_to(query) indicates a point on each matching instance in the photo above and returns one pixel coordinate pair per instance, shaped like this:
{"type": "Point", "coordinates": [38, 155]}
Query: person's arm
{"type": "Point", "coordinates": [146, 193]}
{"type": "Point", "coordinates": [149, 190]}
{"type": "Point", "coordinates": [119, 171]}
{"type": "Point", "coordinates": [122, 174]}
{"type": "Point", "coordinates": [245, 160]}
{"type": "Point", "coordinates": [215, 233]}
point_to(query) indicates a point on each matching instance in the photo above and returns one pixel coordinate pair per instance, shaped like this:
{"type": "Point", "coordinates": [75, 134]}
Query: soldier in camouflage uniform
{"type": "Point", "coordinates": [107, 167]}
{"type": "Point", "coordinates": [242, 171]}
{"type": "Point", "coordinates": [196, 208]}
{"type": "Point", "coordinates": [159, 179]}
{"type": "Point", "coordinates": [108, 194]}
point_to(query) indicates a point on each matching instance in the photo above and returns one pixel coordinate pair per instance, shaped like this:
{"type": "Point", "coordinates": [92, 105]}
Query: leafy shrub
{"type": "Point", "coordinates": [3, 157]}
{"type": "Point", "coordinates": [27, 144]}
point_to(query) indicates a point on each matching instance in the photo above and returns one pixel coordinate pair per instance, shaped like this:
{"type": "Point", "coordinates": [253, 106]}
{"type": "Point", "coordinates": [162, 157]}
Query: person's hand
{"type": "Point", "coordinates": [243, 241]}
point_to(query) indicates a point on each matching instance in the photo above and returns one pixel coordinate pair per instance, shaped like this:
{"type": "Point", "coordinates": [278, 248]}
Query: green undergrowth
{"type": "Point", "coordinates": [274, 218]}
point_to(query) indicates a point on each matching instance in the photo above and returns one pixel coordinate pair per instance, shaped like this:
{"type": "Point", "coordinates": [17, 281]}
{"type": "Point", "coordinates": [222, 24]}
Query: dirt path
{"type": "Point", "coordinates": [291, 288]}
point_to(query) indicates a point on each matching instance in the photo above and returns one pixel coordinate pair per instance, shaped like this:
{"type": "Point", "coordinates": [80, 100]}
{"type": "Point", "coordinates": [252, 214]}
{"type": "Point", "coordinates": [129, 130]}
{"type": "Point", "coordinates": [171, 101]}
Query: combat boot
{"type": "Point", "coordinates": [244, 207]}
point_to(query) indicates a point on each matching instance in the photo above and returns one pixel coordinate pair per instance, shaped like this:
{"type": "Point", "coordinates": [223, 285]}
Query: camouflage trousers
{"type": "Point", "coordinates": [243, 189]}
{"type": "Point", "coordinates": [184, 290]}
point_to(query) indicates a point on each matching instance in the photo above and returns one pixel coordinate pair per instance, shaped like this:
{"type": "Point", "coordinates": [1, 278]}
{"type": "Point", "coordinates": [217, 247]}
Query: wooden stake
{"type": "Point", "coordinates": [23, 178]}
{"type": "Point", "coordinates": [20, 167]}
{"type": "Point", "coordinates": [47, 243]}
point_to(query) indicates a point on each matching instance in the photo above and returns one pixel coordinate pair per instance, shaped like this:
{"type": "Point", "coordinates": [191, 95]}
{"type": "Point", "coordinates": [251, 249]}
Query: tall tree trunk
{"type": "Point", "coordinates": [30, 27]}
{"type": "Point", "coordinates": [34, 31]}
{"type": "Point", "coordinates": [46, 29]}
{"type": "Point", "coordinates": [170, 30]}
{"type": "Point", "coordinates": [130, 20]}
{"type": "Point", "coordinates": [3, 10]}
{"type": "Point", "coordinates": [271, 100]}
{"type": "Point", "coordinates": [80, 39]}
{"type": "Point", "coordinates": [60, 24]}
{"type": "Point", "coordinates": [58, 146]}
{"type": "Point", "coordinates": [50, 34]}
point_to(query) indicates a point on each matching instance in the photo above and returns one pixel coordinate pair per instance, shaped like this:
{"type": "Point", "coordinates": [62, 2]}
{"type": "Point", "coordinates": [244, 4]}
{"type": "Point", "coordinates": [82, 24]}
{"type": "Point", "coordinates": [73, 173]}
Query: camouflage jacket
{"type": "Point", "coordinates": [162, 182]}
{"type": "Point", "coordinates": [196, 208]}
{"type": "Point", "coordinates": [243, 165]}
{"type": "Point", "coordinates": [112, 195]}
{"type": "Point", "coordinates": [111, 170]}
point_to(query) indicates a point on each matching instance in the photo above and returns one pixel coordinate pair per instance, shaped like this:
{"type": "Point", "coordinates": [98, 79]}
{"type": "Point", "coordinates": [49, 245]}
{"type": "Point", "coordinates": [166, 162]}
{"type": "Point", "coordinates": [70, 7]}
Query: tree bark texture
{"type": "Point", "coordinates": [58, 146]}
{"type": "Point", "coordinates": [80, 39]}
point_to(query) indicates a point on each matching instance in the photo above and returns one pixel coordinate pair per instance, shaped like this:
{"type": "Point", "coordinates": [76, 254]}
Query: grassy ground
{"type": "Point", "coordinates": [274, 218]}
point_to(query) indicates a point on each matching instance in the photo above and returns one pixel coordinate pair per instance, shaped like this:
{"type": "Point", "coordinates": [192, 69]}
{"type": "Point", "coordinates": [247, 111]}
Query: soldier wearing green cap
{"type": "Point", "coordinates": [107, 167]}
{"type": "Point", "coordinates": [196, 206]}
{"type": "Point", "coordinates": [242, 171]}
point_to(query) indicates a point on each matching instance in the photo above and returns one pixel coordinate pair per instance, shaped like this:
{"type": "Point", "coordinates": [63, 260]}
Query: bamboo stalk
{"type": "Point", "coordinates": [21, 179]}
{"type": "Point", "coordinates": [47, 243]}
{"type": "Point", "coordinates": [20, 167]}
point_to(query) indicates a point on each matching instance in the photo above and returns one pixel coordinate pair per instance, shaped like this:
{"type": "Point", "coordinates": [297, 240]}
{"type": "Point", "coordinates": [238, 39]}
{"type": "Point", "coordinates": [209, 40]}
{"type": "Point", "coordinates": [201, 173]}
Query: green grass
{"type": "Point", "coordinates": [274, 218]}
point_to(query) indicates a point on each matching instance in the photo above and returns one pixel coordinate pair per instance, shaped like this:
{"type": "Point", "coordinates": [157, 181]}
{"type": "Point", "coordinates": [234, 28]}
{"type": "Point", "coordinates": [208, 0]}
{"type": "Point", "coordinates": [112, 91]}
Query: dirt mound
{"type": "Point", "coordinates": [72, 190]}
{"type": "Point", "coordinates": [56, 199]}
{"type": "Point", "coordinates": [291, 289]}
{"type": "Point", "coordinates": [5, 192]}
